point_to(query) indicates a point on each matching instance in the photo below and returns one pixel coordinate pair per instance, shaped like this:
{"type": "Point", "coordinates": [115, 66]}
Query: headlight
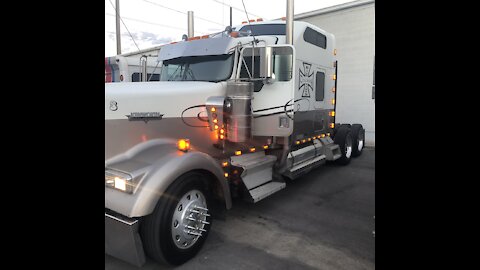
{"type": "Point", "coordinates": [118, 180]}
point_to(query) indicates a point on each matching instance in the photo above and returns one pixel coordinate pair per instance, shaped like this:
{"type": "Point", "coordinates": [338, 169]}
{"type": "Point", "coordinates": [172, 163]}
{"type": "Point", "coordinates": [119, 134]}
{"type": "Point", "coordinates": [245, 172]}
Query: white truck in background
{"type": "Point", "coordinates": [120, 68]}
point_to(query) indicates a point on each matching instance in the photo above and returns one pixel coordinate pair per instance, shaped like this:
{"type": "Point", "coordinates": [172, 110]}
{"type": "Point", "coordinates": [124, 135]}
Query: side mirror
{"type": "Point", "coordinates": [266, 63]}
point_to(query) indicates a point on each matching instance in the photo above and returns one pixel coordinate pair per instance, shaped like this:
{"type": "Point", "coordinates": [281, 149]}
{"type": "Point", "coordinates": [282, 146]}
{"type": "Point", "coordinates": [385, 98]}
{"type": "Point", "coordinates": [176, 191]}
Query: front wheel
{"type": "Point", "coordinates": [180, 223]}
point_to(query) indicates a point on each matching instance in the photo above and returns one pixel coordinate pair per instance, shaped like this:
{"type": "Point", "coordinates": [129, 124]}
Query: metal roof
{"type": "Point", "coordinates": [142, 51]}
{"type": "Point", "coordinates": [333, 8]}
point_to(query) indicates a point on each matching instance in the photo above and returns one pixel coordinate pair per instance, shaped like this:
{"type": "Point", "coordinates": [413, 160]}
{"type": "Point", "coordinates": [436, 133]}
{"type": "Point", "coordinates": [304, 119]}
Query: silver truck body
{"type": "Point", "coordinates": [144, 121]}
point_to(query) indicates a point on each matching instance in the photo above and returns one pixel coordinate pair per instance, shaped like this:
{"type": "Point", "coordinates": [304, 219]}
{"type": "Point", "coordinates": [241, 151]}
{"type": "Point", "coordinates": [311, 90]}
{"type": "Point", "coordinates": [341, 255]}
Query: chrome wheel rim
{"type": "Point", "coordinates": [360, 145]}
{"type": "Point", "coordinates": [348, 148]}
{"type": "Point", "coordinates": [189, 219]}
{"type": "Point", "coordinates": [349, 151]}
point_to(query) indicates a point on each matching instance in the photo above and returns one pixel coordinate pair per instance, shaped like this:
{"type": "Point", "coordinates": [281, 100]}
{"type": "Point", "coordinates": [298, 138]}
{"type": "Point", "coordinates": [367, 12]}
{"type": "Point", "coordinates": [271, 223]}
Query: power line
{"type": "Point", "coordinates": [182, 12]}
{"type": "Point", "coordinates": [238, 9]}
{"type": "Point", "coordinates": [152, 23]}
{"type": "Point", "coordinates": [124, 25]}
{"type": "Point", "coordinates": [248, 20]}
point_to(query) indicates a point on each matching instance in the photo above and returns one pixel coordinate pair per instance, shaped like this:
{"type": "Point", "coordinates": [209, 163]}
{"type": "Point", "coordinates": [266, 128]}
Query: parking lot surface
{"type": "Point", "coordinates": [322, 220]}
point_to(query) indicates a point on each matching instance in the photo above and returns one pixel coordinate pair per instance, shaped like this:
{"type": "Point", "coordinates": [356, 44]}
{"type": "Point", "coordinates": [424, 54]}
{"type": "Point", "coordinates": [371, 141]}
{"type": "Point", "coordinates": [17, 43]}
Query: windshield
{"type": "Point", "coordinates": [265, 29]}
{"type": "Point", "coordinates": [198, 68]}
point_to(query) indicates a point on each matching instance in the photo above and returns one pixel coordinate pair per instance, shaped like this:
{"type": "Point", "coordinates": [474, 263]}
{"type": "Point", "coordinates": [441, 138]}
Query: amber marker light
{"type": "Point", "coordinates": [332, 113]}
{"type": "Point", "coordinates": [183, 145]}
{"type": "Point", "coordinates": [238, 153]}
{"type": "Point", "coordinates": [252, 149]}
{"type": "Point", "coordinates": [332, 125]}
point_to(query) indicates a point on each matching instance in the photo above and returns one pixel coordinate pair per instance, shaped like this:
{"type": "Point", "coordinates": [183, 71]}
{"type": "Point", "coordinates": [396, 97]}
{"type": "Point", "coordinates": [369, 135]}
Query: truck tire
{"type": "Point", "coordinates": [358, 137]}
{"type": "Point", "coordinates": [344, 140]}
{"type": "Point", "coordinates": [166, 237]}
{"type": "Point", "coordinates": [335, 129]}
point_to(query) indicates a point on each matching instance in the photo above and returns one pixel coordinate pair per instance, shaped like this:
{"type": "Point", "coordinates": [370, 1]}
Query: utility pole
{"type": "Point", "coordinates": [117, 21]}
{"type": "Point", "coordinates": [230, 16]}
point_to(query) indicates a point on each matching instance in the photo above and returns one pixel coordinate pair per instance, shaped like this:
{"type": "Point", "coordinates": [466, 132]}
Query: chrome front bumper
{"type": "Point", "coordinates": [122, 239]}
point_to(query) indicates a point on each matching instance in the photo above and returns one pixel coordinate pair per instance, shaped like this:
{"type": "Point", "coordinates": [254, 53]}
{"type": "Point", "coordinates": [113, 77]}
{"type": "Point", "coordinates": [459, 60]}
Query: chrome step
{"type": "Point", "coordinates": [265, 190]}
{"type": "Point", "coordinates": [331, 150]}
{"type": "Point", "coordinates": [307, 163]}
{"type": "Point", "coordinates": [306, 158]}
{"type": "Point", "coordinates": [257, 168]}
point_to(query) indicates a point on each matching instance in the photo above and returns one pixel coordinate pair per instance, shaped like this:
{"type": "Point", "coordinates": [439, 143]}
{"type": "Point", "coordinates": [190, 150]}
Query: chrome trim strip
{"type": "Point", "coordinates": [120, 220]}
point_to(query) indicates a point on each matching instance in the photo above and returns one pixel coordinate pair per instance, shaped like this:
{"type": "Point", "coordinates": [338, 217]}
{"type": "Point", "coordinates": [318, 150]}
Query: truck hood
{"type": "Point", "coordinates": [169, 99]}
{"type": "Point", "coordinates": [166, 99]}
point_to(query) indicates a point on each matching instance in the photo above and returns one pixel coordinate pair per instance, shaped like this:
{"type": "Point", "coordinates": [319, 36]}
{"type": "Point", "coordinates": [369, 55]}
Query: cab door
{"type": "Point", "coordinates": [272, 103]}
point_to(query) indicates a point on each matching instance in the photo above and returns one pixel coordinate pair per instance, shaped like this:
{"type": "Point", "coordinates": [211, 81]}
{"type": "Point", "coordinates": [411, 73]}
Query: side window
{"type": "Point", "coordinates": [320, 86]}
{"type": "Point", "coordinates": [313, 37]}
{"type": "Point", "coordinates": [136, 77]}
{"type": "Point", "coordinates": [282, 63]}
{"type": "Point", "coordinates": [246, 72]}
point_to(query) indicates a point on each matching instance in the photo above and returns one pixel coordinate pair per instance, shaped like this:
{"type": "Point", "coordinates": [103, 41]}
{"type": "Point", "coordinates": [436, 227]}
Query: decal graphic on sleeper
{"type": "Point", "coordinates": [306, 80]}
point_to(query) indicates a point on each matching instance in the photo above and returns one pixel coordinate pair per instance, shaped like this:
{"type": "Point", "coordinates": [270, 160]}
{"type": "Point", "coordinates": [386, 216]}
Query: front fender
{"type": "Point", "coordinates": [154, 166]}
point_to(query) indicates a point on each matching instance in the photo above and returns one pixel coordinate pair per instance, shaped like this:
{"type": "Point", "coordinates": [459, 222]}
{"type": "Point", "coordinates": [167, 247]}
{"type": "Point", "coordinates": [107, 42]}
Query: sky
{"type": "Point", "coordinates": [155, 22]}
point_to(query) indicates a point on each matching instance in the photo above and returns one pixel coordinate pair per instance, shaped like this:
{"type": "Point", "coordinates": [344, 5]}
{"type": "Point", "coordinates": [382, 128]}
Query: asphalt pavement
{"type": "Point", "coordinates": [322, 220]}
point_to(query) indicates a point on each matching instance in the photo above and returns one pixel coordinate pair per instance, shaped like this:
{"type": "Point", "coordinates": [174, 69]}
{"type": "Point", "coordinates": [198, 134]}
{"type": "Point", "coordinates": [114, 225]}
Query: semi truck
{"type": "Point", "coordinates": [233, 116]}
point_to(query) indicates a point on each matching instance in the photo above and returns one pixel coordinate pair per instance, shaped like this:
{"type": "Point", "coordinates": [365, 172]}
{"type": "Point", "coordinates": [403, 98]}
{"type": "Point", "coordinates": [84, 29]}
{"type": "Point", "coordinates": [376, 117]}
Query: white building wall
{"type": "Point", "coordinates": [354, 29]}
